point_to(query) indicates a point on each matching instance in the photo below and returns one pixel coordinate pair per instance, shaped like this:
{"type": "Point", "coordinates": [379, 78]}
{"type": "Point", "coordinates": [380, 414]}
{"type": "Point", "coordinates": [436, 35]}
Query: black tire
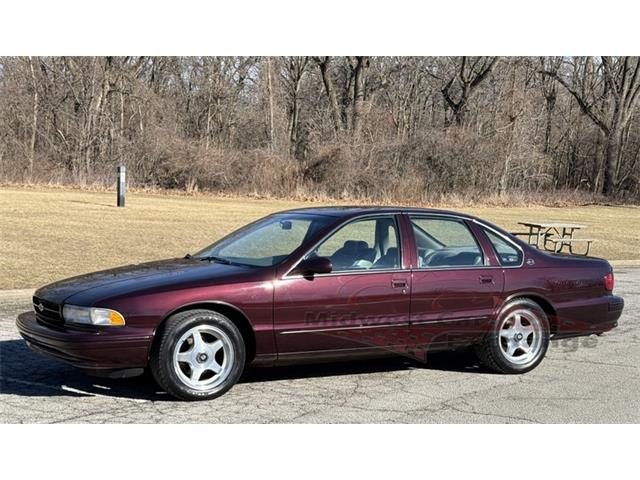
{"type": "Point", "coordinates": [491, 351]}
{"type": "Point", "coordinates": [162, 360]}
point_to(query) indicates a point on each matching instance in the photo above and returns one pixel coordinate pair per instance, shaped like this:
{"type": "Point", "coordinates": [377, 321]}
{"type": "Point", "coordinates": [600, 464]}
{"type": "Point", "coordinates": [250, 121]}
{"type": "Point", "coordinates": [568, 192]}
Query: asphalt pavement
{"type": "Point", "coordinates": [585, 380]}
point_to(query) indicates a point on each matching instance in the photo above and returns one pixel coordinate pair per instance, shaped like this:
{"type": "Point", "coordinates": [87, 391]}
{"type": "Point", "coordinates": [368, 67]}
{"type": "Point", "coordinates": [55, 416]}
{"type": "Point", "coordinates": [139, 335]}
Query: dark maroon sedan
{"type": "Point", "coordinates": [324, 284]}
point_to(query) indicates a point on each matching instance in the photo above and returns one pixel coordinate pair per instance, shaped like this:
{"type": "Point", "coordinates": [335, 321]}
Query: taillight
{"type": "Point", "coordinates": [608, 281]}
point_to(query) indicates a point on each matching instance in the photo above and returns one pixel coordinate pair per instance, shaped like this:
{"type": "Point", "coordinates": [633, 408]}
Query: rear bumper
{"type": "Point", "coordinates": [587, 317]}
{"type": "Point", "coordinates": [98, 351]}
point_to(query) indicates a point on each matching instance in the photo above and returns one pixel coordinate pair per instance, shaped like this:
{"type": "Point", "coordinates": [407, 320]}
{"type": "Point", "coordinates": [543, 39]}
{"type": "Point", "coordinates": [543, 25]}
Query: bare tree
{"type": "Point", "coordinates": [327, 126]}
{"type": "Point", "coordinates": [34, 122]}
{"type": "Point", "coordinates": [328, 81]}
{"type": "Point", "coordinates": [360, 66]}
{"type": "Point", "coordinates": [407, 94]}
{"type": "Point", "coordinates": [550, 92]}
{"type": "Point", "coordinates": [292, 74]}
{"type": "Point", "coordinates": [469, 74]}
{"type": "Point", "coordinates": [270, 103]}
{"type": "Point", "coordinates": [607, 91]}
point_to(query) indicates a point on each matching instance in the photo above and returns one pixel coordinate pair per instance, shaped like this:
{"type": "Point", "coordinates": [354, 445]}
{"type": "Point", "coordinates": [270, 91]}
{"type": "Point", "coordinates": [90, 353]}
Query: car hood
{"type": "Point", "coordinates": [91, 287]}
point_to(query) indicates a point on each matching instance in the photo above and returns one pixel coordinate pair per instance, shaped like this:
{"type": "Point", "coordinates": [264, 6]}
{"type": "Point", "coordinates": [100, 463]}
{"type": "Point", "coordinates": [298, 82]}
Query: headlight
{"type": "Point", "coordinates": [92, 316]}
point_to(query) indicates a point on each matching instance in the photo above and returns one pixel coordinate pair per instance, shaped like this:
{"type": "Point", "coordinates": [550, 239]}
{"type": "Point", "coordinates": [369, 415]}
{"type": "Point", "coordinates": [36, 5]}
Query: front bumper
{"type": "Point", "coordinates": [90, 349]}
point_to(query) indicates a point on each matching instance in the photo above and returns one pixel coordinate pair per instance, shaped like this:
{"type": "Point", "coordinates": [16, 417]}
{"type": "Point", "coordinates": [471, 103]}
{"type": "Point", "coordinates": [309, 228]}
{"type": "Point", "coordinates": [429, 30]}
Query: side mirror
{"type": "Point", "coordinates": [310, 266]}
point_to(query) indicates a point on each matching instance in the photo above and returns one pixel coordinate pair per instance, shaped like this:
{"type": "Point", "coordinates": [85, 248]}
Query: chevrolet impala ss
{"type": "Point", "coordinates": [321, 284]}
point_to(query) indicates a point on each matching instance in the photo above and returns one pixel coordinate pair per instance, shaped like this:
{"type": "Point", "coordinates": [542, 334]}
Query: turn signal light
{"type": "Point", "coordinates": [116, 318]}
{"type": "Point", "coordinates": [608, 281]}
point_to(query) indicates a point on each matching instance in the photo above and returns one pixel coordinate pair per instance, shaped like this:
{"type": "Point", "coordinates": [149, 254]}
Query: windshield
{"type": "Point", "coordinates": [268, 241]}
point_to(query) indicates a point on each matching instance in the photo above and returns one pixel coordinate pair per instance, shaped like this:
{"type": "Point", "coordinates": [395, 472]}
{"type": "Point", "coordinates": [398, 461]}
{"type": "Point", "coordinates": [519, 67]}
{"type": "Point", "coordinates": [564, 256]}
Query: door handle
{"type": "Point", "coordinates": [486, 279]}
{"type": "Point", "coordinates": [399, 283]}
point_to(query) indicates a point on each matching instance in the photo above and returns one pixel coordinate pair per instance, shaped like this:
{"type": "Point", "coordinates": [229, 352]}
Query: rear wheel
{"type": "Point", "coordinates": [199, 355]}
{"type": "Point", "coordinates": [518, 340]}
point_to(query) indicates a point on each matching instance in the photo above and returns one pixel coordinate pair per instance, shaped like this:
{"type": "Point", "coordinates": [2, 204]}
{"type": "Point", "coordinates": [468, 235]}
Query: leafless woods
{"type": "Point", "coordinates": [382, 128]}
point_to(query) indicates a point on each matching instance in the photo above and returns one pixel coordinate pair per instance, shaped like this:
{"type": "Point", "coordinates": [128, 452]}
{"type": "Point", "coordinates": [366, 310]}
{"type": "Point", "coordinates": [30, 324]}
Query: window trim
{"type": "Point", "coordinates": [481, 224]}
{"type": "Point", "coordinates": [505, 238]}
{"type": "Point", "coordinates": [450, 218]}
{"type": "Point", "coordinates": [507, 241]}
{"type": "Point", "coordinates": [369, 216]}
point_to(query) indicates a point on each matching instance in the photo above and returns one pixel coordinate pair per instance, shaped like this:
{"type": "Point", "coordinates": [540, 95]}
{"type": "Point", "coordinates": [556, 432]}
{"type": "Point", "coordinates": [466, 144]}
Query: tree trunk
{"type": "Point", "coordinates": [458, 115]}
{"type": "Point", "coordinates": [95, 110]}
{"type": "Point", "coordinates": [331, 93]}
{"type": "Point", "coordinates": [270, 93]}
{"type": "Point", "coordinates": [550, 104]}
{"type": "Point", "coordinates": [207, 131]}
{"type": "Point", "coordinates": [293, 135]}
{"type": "Point", "coordinates": [34, 120]}
{"type": "Point", "coordinates": [504, 177]}
{"type": "Point", "coordinates": [361, 66]}
{"type": "Point", "coordinates": [611, 161]}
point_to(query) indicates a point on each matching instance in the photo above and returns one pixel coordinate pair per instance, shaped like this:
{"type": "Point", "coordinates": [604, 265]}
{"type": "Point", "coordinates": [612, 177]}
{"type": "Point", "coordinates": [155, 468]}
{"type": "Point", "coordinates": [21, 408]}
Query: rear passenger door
{"type": "Point", "coordinates": [456, 285]}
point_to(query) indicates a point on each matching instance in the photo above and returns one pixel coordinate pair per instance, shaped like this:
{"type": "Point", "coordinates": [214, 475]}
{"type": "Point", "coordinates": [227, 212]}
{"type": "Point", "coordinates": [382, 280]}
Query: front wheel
{"type": "Point", "coordinates": [518, 340]}
{"type": "Point", "coordinates": [199, 355]}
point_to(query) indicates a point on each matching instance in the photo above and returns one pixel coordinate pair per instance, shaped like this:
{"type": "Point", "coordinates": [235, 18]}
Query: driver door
{"type": "Point", "coordinates": [361, 307]}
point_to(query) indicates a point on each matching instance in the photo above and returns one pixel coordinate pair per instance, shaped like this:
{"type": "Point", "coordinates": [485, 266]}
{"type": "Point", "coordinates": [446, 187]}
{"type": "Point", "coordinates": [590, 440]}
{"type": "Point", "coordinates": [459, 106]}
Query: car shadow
{"type": "Point", "coordinates": [25, 373]}
{"type": "Point", "coordinates": [458, 361]}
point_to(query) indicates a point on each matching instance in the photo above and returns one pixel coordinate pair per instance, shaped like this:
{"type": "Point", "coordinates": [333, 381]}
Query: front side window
{"type": "Point", "coordinates": [268, 241]}
{"type": "Point", "coordinates": [368, 244]}
{"type": "Point", "coordinates": [507, 253]}
{"type": "Point", "coordinates": [443, 242]}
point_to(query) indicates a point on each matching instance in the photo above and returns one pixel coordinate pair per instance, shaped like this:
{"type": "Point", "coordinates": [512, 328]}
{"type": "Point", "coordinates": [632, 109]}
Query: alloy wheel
{"type": "Point", "coordinates": [203, 357]}
{"type": "Point", "coordinates": [520, 337]}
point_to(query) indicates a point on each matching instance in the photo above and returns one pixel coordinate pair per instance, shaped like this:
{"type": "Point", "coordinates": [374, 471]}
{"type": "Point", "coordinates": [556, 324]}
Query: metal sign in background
{"type": "Point", "coordinates": [122, 185]}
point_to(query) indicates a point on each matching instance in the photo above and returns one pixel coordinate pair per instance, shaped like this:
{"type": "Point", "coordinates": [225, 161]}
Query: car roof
{"type": "Point", "coordinates": [346, 212]}
{"type": "Point", "coordinates": [355, 210]}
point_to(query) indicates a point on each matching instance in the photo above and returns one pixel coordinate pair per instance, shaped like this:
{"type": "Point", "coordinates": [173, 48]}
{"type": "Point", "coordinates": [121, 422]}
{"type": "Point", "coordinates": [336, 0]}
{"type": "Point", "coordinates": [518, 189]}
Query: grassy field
{"type": "Point", "coordinates": [50, 234]}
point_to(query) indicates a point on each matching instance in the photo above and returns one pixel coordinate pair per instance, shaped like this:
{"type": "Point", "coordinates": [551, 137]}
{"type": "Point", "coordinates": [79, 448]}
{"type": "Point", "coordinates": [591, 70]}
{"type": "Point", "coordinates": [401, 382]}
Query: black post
{"type": "Point", "coordinates": [122, 170]}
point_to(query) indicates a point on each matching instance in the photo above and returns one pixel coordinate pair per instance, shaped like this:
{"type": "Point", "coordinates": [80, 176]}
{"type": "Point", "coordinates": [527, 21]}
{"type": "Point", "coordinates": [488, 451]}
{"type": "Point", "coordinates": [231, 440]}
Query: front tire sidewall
{"type": "Point", "coordinates": [162, 358]}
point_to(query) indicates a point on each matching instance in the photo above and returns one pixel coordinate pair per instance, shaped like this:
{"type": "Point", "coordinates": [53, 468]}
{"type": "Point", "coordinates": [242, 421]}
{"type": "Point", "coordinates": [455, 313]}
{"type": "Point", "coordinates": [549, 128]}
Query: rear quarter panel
{"type": "Point", "coordinates": [574, 287]}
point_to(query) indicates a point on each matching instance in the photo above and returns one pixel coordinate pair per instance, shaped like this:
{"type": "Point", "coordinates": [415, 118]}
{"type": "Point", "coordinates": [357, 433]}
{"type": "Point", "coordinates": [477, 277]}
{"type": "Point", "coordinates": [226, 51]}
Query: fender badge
{"type": "Point", "coordinates": [531, 261]}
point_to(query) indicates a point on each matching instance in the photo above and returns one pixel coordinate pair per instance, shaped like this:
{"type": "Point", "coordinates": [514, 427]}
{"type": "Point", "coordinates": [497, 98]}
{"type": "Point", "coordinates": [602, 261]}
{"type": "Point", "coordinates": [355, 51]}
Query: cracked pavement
{"type": "Point", "coordinates": [584, 380]}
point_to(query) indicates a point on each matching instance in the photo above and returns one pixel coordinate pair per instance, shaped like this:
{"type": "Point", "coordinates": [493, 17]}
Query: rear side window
{"type": "Point", "coordinates": [445, 242]}
{"type": "Point", "coordinates": [507, 253]}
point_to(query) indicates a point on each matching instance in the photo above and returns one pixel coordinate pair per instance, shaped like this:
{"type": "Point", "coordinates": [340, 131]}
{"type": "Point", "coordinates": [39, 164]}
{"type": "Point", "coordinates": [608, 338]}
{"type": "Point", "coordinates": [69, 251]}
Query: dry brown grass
{"type": "Point", "coordinates": [49, 234]}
